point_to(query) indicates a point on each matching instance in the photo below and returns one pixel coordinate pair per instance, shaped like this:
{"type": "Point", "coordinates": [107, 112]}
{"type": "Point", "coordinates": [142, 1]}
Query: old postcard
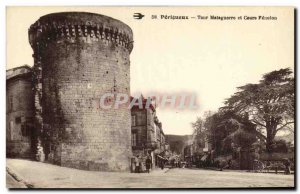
{"type": "Point", "coordinates": [150, 97]}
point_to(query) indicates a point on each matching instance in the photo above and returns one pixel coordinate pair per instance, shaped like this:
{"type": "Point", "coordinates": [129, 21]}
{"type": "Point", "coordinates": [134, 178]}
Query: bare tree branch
{"type": "Point", "coordinates": [287, 123]}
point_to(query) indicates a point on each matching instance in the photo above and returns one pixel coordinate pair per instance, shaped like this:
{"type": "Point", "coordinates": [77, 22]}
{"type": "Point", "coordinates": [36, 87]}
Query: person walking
{"type": "Point", "coordinates": [148, 164]}
{"type": "Point", "coordinates": [287, 165]}
{"type": "Point", "coordinates": [162, 164]}
{"type": "Point", "coordinates": [137, 165]}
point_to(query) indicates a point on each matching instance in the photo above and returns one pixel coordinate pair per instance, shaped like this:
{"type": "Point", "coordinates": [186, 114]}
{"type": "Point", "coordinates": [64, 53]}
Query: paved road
{"type": "Point", "coordinates": [42, 175]}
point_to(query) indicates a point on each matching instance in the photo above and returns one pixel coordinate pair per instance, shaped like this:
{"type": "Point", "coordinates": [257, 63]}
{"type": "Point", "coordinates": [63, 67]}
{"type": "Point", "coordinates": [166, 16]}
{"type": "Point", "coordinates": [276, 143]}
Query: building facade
{"type": "Point", "coordinates": [148, 138]}
{"type": "Point", "coordinates": [19, 112]}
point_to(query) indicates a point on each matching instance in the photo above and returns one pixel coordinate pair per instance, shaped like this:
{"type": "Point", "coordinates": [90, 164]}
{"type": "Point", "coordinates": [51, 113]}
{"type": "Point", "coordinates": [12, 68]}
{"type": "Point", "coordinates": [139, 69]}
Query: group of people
{"type": "Point", "coordinates": [144, 164]}
{"type": "Point", "coordinates": [176, 163]}
{"type": "Point", "coordinates": [139, 164]}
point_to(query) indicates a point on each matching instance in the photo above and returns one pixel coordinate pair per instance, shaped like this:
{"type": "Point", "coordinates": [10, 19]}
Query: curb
{"type": "Point", "coordinates": [18, 179]}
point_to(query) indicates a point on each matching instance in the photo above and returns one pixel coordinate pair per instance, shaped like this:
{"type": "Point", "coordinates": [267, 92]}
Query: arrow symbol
{"type": "Point", "coordinates": [138, 16]}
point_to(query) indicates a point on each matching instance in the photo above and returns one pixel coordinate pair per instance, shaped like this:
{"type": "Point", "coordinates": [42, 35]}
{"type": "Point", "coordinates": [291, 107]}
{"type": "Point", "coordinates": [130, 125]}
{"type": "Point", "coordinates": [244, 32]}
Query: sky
{"type": "Point", "coordinates": [207, 57]}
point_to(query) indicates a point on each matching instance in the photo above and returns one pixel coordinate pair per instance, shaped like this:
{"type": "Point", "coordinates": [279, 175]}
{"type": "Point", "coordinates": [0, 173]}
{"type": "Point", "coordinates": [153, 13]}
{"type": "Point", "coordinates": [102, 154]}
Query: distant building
{"type": "Point", "coordinates": [19, 112]}
{"type": "Point", "coordinates": [148, 138]}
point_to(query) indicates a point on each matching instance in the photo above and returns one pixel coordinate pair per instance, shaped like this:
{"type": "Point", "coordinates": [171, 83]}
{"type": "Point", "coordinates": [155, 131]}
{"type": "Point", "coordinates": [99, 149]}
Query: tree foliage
{"type": "Point", "coordinates": [256, 111]}
{"type": "Point", "coordinates": [199, 132]}
{"type": "Point", "coordinates": [269, 104]}
{"type": "Point", "coordinates": [229, 131]}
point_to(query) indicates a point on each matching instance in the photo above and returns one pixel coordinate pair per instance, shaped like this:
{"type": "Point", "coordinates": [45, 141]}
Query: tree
{"type": "Point", "coordinates": [201, 129]}
{"type": "Point", "coordinates": [269, 104]}
{"type": "Point", "coordinates": [198, 134]}
{"type": "Point", "coordinates": [242, 135]}
{"type": "Point", "coordinates": [227, 129]}
{"type": "Point", "coordinates": [280, 146]}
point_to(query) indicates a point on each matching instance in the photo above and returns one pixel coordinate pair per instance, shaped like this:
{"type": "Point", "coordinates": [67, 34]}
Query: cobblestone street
{"type": "Point", "coordinates": [41, 175]}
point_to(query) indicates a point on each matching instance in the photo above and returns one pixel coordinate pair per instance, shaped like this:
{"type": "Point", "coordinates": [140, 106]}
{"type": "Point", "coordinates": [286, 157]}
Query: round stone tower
{"type": "Point", "coordinates": [78, 57]}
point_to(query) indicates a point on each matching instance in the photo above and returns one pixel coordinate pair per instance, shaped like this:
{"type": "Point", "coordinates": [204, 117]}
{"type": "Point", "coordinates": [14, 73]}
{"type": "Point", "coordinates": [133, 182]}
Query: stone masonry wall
{"type": "Point", "coordinates": [82, 56]}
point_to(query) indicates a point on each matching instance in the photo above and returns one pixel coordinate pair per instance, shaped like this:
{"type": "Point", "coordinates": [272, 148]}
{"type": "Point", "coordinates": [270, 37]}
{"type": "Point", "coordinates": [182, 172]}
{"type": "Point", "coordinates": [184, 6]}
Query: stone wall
{"type": "Point", "coordinates": [78, 58]}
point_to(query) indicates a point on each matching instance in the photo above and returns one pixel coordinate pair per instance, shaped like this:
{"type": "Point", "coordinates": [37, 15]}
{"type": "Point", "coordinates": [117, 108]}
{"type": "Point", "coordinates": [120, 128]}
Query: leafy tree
{"type": "Point", "coordinates": [242, 136]}
{"type": "Point", "coordinates": [198, 134]}
{"type": "Point", "coordinates": [269, 104]}
{"type": "Point", "coordinates": [280, 146]}
{"type": "Point", "coordinates": [215, 133]}
{"type": "Point", "coordinates": [228, 130]}
{"type": "Point", "coordinates": [201, 132]}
